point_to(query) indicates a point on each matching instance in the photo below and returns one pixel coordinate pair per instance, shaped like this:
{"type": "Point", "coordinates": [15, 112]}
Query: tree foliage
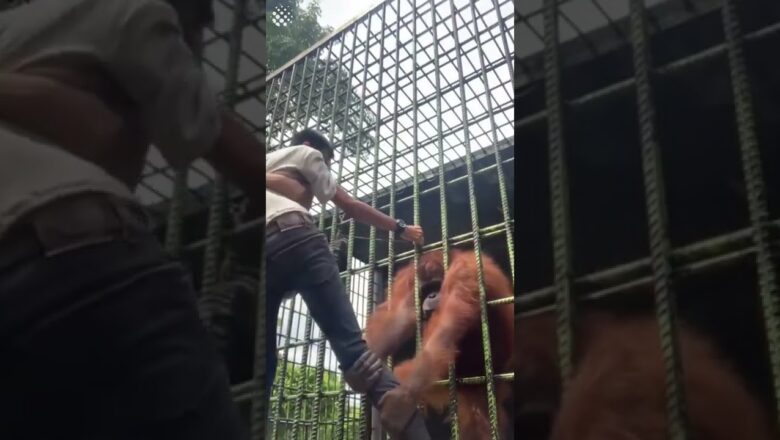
{"type": "Point", "coordinates": [340, 116]}
{"type": "Point", "coordinates": [294, 376]}
{"type": "Point", "coordinates": [285, 42]}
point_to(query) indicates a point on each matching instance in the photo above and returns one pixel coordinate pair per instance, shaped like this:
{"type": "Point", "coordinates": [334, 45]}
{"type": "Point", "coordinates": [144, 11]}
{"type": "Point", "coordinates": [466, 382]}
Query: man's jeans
{"type": "Point", "coordinates": [300, 260]}
{"type": "Point", "coordinates": [104, 342]}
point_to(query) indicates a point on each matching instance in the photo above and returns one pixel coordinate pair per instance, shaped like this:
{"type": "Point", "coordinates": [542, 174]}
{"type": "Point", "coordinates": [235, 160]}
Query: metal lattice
{"type": "Point", "coordinates": [625, 65]}
{"type": "Point", "coordinates": [192, 207]}
{"type": "Point", "coordinates": [243, 88]}
{"type": "Point", "coordinates": [416, 96]}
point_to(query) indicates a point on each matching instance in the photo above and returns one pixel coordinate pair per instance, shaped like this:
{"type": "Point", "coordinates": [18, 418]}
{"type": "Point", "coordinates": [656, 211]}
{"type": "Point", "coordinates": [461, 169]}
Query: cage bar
{"type": "Point", "coordinates": [559, 185]}
{"type": "Point", "coordinates": [648, 55]}
{"type": "Point", "coordinates": [195, 200]}
{"type": "Point", "coordinates": [399, 125]}
{"type": "Point", "coordinates": [756, 189]}
{"type": "Point", "coordinates": [655, 193]}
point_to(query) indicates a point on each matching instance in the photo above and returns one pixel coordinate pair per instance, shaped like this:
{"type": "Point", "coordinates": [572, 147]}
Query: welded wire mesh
{"type": "Point", "coordinates": [157, 186]}
{"type": "Point", "coordinates": [416, 96]}
{"type": "Point", "coordinates": [630, 63]}
{"type": "Point", "coordinates": [191, 208]}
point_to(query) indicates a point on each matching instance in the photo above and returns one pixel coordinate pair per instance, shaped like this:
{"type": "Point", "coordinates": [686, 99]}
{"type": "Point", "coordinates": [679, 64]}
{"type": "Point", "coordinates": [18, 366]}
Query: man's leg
{"type": "Point", "coordinates": [318, 281]}
{"type": "Point", "coordinates": [115, 326]}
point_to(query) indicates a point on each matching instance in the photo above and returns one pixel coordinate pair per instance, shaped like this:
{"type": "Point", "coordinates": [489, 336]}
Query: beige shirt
{"type": "Point", "coordinates": [311, 165]}
{"type": "Point", "coordinates": [139, 43]}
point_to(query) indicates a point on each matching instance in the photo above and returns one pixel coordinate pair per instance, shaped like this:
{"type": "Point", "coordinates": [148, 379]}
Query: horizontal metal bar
{"type": "Point", "coordinates": [626, 86]}
{"type": "Point", "coordinates": [244, 392]}
{"type": "Point", "coordinates": [243, 227]}
{"type": "Point", "coordinates": [702, 256]}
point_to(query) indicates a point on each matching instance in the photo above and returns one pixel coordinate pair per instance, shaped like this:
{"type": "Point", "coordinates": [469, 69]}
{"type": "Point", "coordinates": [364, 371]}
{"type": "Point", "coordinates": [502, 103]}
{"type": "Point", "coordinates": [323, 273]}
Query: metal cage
{"type": "Point", "coordinates": [648, 162]}
{"type": "Point", "coordinates": [192, 208]}
{"type": "Point", "coordinates": [416, 97]}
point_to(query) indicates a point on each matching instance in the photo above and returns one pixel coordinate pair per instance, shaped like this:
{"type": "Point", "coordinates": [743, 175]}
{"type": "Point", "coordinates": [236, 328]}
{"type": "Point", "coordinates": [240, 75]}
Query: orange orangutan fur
{"type": "Point", "coordinates": [453, 333]}
{"type": "Point", "coordinates": [617, 389]}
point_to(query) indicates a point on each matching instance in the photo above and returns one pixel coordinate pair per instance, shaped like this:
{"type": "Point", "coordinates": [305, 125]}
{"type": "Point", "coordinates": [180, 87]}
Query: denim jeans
{"type": "Point", "coordinates": [104, 341]}
{"type": "Point", "coordinates": [300, 260]}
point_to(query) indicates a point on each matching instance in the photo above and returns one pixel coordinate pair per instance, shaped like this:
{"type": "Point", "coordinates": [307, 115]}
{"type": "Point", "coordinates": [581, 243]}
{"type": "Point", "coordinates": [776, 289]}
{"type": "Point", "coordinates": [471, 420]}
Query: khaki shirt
{"type": "Point", "coordinates": [139, 44]}
{"type": "Point", "coordinates": [310, 163]}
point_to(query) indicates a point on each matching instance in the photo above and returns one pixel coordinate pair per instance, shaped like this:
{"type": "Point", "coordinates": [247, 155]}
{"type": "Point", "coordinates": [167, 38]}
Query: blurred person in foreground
{"type": "Point", "coordinates": [99, 332]}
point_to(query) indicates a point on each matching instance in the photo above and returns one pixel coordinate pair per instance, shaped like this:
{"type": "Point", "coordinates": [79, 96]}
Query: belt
{"type": "Point", "coordinates": [287, 221]}
{"type": "Point", "coordinates": [71, 223]}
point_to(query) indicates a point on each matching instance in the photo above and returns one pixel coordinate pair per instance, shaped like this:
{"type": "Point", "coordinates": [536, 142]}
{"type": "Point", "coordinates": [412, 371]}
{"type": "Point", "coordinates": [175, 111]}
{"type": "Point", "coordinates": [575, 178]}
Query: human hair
{"type": "Point", "coordinates": [314, 139]}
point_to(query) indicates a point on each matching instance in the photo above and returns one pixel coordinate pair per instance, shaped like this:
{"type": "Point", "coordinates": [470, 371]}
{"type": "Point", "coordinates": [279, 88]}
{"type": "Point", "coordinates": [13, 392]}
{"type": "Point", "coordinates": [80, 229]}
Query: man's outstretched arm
{"type": "Point", "coordinates": [364, 213]}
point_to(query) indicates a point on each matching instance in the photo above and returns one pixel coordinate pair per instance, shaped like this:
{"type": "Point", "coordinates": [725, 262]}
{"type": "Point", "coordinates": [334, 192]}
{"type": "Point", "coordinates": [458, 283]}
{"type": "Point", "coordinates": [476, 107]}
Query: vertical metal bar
{"type": "Point", "coordinates": [217, 210]}
{"type": "Point", "coordinates": [287, 104]}
{"type": "Point", "coordinates": [510, 243]}
{"type": "Point", "coordinates": [298, 407]}
{"type": "Point", "coordinates": [452, 384]}
{"type": "Point", "coordinates": [298, 411]}
{"type": "Point", "coordinates": [299, 99]}
{"type": "Point", "coordinates": [489, 379]}
{"type": "Point", "coordinates": [335, 219]}
{"type": "Point", "coordinates": [394, 141]}
{"type": "Point", "coordinates": [214, 235]}
{"type": "Point", "coordinates": [393, 162]}
{"type": "Point", "coordinates": [334, 126]}
{"type": "Point", "coordinates": [306, 114]}
{"type": "Point", "coordinates": [320, 371]}
{"type": "Point", "coordinates": [416, 184]}
{"type": "Point", "coordinates": [756, 188]}
{"type": "Point", "coordinates": [351, 234]}
{"type": "Point", "coordinates": [504, 38]}
{"type": "Point", "coordinates": [366, 408]}
{"type": "Point", "coordinates": [319, 117]}
{"type": "Point", "coordinates": [174, 221]}
{"type": "Point", "coordinates": [321, 347]}
{"type": "Point", "coordinates": [559, 186]}
{"type": "Point", "coordinates": [657, 220]}
{"type": "Point", "coordinates": [258, 409]}
{"type": "Point", "coordinates": [280, 386]}
{"type": "Point", "coordinates": [276, 97]}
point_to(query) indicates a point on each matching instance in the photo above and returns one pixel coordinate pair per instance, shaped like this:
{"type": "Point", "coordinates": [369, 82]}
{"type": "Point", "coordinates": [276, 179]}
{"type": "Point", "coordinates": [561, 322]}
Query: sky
{"type": "Point", "coordinates": [337, 12]}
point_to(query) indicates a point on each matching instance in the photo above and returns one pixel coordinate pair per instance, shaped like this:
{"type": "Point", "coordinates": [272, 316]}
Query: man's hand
{"type": "Point", "coordinates": [413, 233]}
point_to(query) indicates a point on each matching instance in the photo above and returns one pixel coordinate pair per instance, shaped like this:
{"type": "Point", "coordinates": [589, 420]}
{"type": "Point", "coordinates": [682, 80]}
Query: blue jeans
{"type": "Point", "coordinates": [300, 260]}
{"type": "Point", "coordinates": [103, 340]}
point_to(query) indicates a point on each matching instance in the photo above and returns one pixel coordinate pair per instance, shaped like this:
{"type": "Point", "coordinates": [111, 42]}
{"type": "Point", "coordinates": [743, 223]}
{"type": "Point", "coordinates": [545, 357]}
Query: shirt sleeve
{"type": "Point", "coordinates": [323, 185]}
{"type": "Point", "coordinates": [159, 71]}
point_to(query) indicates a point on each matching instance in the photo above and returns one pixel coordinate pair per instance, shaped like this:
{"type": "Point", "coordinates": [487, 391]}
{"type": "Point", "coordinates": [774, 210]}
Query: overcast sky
{"type": "Point", "coordinates": [337, 12]}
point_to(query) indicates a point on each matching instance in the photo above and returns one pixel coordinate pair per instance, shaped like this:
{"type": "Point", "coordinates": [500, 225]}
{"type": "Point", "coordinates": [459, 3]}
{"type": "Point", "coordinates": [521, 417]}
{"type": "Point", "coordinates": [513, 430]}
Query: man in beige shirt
{"type": "Point", "coordinates": [299, 259]}
{"type": "Point", "coordinates": [99, 332]}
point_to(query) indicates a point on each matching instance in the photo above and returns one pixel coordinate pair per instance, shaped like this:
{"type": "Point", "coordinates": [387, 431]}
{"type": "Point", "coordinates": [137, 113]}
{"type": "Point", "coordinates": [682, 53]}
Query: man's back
{"type": "Point", "coordinates": [62, 28]}
{"type": "Point", "coordinates": [309, 164]}
{"type": "Point", "coordinates": [132, 56]}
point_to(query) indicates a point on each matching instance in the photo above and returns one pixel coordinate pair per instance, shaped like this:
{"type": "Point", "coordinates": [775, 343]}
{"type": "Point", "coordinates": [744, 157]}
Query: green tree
{"type": "Point", "coordinates": [340, 116]}
{"type": "Point", "coordinates": [299, 375]}
{"type": "Point", "coordinates": [285, 42]}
